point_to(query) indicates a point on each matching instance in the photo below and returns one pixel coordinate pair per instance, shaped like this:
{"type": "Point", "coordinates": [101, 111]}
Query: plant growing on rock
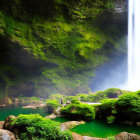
{"type": "Point", "coordinates": [78, 111]}
{"type": "Point", "coordinates": [52, 105]}
{"type": "Point", "coordinates": [35, 127]}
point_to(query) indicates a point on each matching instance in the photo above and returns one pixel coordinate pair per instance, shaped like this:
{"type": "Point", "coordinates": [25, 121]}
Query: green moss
{"type": "Point", "coordinates": [53, 103]}
{"type": "Point", "coordinates": [78, 111]}
{"type": "Point", "coordinates": [36, 127]}
{"type": "Point", "coordinates": [61, 33]}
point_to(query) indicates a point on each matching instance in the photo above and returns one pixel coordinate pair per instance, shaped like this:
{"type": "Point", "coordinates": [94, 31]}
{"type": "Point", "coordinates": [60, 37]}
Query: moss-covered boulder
{"type": "Point", "coordinates": [78, 111]}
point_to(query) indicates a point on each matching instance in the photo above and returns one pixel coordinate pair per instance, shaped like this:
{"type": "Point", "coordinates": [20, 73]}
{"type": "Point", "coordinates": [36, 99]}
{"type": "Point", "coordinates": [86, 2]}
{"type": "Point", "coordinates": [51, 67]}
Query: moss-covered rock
{"type": "Point", "coordinates": [78, 111]}
{"type": "Point", "coordinates": [56, 45]}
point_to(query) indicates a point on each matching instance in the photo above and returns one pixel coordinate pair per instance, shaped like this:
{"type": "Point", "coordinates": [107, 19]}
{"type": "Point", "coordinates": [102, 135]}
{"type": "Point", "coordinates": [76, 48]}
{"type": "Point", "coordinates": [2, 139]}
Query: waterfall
{"type": "Point", "coordinates": [134, 45]}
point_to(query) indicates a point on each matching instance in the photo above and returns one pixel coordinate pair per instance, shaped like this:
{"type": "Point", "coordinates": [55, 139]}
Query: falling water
{"type": "Point", "coordinates": [134, 45]}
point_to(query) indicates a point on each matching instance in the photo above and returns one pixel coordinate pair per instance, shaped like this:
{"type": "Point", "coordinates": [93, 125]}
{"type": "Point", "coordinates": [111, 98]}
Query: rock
{"type": "Point", "coordinates": [8, 101]}
{"type": "Point", "coordinates": [58, 111]}
{"type": "Point", "coordinates": [127, 122]}
{"type": "Point", "coordinates": [70, 124]}
{"type": "Point", "coordinates": [138, 123]}
{"type": "Point", "coordinates": [3, 105]}
{"type": "Point", "coordinates": [52, 116]}
{"type": "Point", "coordinates": [6, 135]}
{"type": "Point", "coordinates": [127, 136]}
{"type": "Point", "coordinates": [93, 138]}
{"type": "Point", "coordinates": [16, 100]}
{"type": "Point", "coordinates": [41, 105]}
{"type": "Point", "coordinates": [1, 124]}
{"type": "Point", "coordinates": [30, 106]}
{"type": "Point", "coordinates": [7, 124]}
{"type": "Point", "coordinates": [77, 136]}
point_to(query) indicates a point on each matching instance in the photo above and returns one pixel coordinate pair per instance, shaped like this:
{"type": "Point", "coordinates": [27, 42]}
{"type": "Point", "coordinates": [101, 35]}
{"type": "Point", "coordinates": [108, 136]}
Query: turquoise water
{"type": "Point", "coordinates": [61, 120]}
{"type": "Point", "coordinates": [16, 110]}
{"type": "Point", "coordinates": [94, 129]}
{"type": "Point", "coordinates": [101, 129]}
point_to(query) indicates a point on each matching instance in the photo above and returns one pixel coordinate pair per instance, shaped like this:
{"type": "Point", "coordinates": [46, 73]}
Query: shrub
{"type": "Point", "coordinates": [128, 106]}
{"type": "Point", "coordinates": [97, 97]}
{"type": "Point", "coordinates": [107, 109]}
{"type": "Point", "coordinates": [52, 105]}
{"type": "Point", "coordinates": [113, 92]}
{"type": "Point", "coordinates": [78, 111]}
{"type": "Point", "coordinates": [84, 97]}
{"type": "Point", "coordinates": [110, 119]}
{"type": "Point", "coordinates": [35, 127]}
{"type": "Point", "coordinates": [75, 101]}
{"type": "Point", "coordinates": [69, 98]}
{"type": "Point", "coordinates": [56, 96]}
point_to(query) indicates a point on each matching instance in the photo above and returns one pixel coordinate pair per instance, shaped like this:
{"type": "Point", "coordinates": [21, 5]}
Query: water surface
{"type": "Point", "coordinates": [17, 109]}
{"type": "Point", "coordinates": [101, 129]}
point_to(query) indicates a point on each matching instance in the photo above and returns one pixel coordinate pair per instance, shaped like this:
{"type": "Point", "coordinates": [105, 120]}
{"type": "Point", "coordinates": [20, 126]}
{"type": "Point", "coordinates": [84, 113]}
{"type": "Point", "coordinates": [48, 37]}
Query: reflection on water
{"type": "Point", "coordinates": [17, 109]}
{"type": "Point", "coordinates": [101, 129]}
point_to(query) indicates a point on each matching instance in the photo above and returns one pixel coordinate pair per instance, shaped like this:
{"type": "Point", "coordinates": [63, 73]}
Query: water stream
{"type": "Point", "coordinates": [134, 45]}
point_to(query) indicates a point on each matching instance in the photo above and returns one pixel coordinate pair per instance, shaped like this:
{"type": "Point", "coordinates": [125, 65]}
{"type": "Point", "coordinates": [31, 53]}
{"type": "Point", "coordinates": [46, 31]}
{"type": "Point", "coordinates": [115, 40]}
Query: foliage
{"type": "Point", "coordinates": [113, 92]}
{"type": "Point", "coordinates": [56, 96]}
{"type": "Point", "coordinates": [30, 98]}
{"type": "Point", "coordinates": [35, 127]}
{"type": "Point", "coordinates": [70, 98]}
{"type": "Point", "coordinates": [75, 101]}
{"type": "Point", "coordinates": [97, 97]}
{"type": "Point", "coordinates": [83, 97]}
{"type": "Point", "coordinates": [110, 119]}
{"type": "Point", "coordinates": [53, 104]}
{"type": "Point", "coordinates": [128, 106]}
{"type": "Point", "coordinates": [80, 111]}
{"type": "Point", "coordinates": [63, 35]}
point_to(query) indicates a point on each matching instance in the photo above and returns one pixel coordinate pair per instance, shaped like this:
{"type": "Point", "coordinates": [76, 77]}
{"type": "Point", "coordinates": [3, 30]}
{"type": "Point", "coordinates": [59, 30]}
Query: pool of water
{"type": "Point", "coordinates": [17, 109]}
{"type": "Point", "coordinates": [95, 128]}
{"type": "Point", "coordinates": [61, 120]}
{"type": "Point", "coordinates": [101, 129]}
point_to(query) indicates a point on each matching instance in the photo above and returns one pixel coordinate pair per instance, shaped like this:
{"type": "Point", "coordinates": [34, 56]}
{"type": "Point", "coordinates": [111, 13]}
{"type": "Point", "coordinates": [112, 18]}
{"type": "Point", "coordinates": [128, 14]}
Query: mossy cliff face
{"type": "Point", "coordinates": [54, 46]}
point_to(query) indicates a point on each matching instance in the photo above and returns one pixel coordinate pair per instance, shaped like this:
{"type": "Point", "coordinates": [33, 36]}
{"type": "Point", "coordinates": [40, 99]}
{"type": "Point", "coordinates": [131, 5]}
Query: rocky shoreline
{"type": "Point", "coordinates": [6, 127]}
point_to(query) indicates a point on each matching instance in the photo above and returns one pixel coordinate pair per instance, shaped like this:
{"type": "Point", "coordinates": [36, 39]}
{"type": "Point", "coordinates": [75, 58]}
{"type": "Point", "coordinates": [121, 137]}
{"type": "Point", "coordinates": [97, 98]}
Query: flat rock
{"type": "Point", "coordinates": [79, 137]}
{"type": "Point", "coordinates": [70, 124]}
{"type": "Point", "coordinates": [93, 138]}
{"type": "Point", "coordinates": [6, 135]}
{"type": "Point", "coordinates": [7, 124]}
{"type": "Point", "coordinates": [41, 105]}
{"type": "Point", "coordinates": [30, 106]}
{"type": "Point", "coordinates": [127, 136]}
{"type": "Point", "coordinates": [51, 116]}
{"type": "Point", "coordinates": [76, 136]}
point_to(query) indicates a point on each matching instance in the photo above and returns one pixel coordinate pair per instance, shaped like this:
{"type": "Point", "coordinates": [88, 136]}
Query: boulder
{"type": "Point", "coordinates": [138, 123]}
{"type": "Point", "coordinates": [51, 116]}
{"type": "Point", "coordinates": [30, 106]}
{"type": "Point", "coordinates": [70, 124]}
{"type": "Point", "coordinates": [127, 136]}
{"type": "Point", "coordinates": [7, 124]}
{"type": "Point", "coordinates": [77, 136]}
{"type": "Point", "coordinates": [6, 135]}
{"type": "Point", "coordinates": [1, 124]}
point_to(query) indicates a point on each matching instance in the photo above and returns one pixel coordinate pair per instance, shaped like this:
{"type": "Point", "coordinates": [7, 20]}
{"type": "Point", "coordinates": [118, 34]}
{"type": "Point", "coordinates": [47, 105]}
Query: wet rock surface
{"type": "Point", "coordinates": [1, 124]}
{"type": "Point", "coordinates": [70, 124]}
{"type": "Point", "coordinates": [51, 116]}
{"type": "Point", "coordinates": [6, 135]}
{"type": "Point", "coordinates": [127, 136]}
